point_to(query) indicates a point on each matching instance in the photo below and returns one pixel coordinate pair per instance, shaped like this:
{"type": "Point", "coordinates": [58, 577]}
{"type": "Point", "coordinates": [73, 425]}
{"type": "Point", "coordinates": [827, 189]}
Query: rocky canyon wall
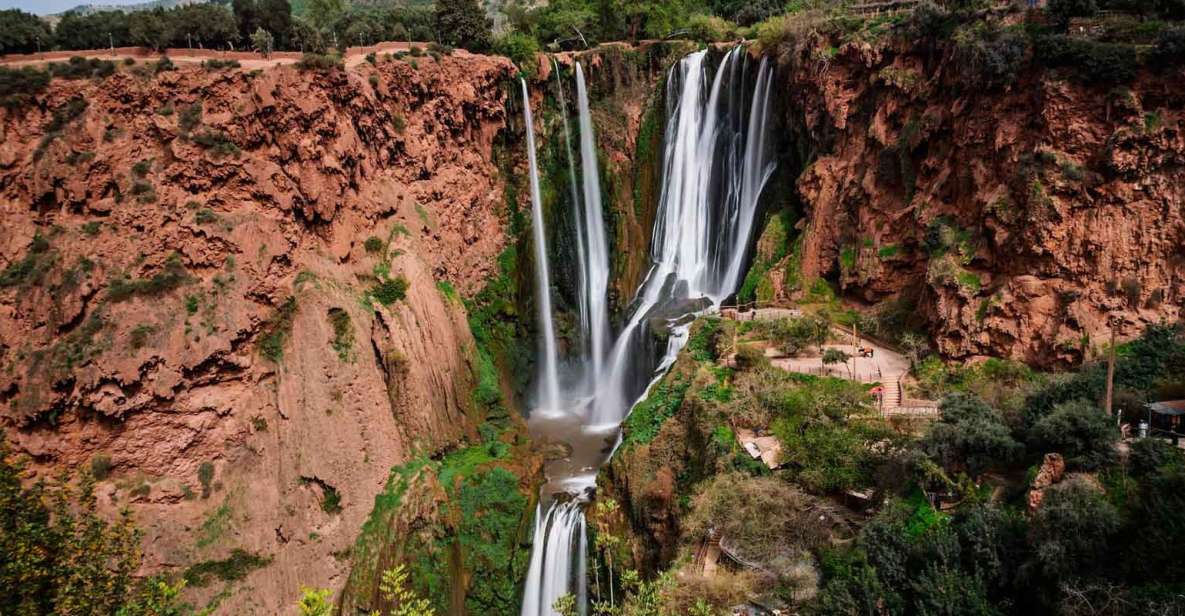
{"type": "Point", "coordinates": [1013, 219]}
{"type": "Point", "coordinates": [237, 296]}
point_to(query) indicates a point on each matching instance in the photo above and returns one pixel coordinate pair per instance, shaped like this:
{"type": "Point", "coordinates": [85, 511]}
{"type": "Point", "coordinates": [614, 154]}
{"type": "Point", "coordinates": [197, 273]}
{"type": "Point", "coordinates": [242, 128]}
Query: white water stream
{"type": "Point", "coordinates": [717, 159]}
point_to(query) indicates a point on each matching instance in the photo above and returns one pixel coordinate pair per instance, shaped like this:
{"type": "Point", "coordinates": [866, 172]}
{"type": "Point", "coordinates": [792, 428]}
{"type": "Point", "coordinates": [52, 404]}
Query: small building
{"type": "Point", "coordinates": [1167, 418]}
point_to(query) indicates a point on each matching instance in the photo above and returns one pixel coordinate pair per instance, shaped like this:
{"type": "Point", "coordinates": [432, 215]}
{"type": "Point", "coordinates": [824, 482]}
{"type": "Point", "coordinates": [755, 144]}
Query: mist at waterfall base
{"type": "Point", "coordinates": [717, 158]}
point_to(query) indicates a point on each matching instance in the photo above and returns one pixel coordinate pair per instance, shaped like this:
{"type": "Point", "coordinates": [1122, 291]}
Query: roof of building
{"type": "Point", "coordinates": [1168, 407]}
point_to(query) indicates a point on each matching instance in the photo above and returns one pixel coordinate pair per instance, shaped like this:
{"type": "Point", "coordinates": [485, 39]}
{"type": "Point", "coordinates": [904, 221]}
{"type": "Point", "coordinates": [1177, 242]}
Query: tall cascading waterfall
{"type": "Point", "coordinates": [549, 381]}
{"type": "Point", "coordinates": [594, 266]}
{"type": "Point", "coordinates": [717, 160]}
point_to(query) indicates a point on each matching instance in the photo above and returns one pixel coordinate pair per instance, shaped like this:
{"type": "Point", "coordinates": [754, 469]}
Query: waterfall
{"type": "Point", "coordinates": [717, 160]}
{"type": "Point", "coordinates": [594, 255]}
{"type": "Point", "coordinates": [558, 559]}
{"type": "Point", "coordinates": [549, 387]}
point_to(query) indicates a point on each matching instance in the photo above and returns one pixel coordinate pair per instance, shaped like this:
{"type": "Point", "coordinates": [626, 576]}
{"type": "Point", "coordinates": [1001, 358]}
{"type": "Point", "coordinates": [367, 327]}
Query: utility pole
{"type": "Point", "coordinates": [189, 39]}
{"type": "Point", "coordinates": [1110, 370]}
{"type": "Point", "coordinates": [111, 42]}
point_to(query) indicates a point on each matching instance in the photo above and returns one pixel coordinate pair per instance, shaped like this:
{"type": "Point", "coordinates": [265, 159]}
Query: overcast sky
{"type": "Point", "coordinates": [48, 7]}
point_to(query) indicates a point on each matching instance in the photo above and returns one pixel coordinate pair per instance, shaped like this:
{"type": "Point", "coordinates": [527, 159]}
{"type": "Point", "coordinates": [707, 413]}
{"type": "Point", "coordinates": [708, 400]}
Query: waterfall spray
{"type": "Point", "coordinates": [549, 387]}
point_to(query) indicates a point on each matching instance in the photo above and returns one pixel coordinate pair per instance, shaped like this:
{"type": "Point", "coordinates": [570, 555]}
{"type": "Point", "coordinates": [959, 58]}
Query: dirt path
{"type": "Point", "coordinates": [247, 59]}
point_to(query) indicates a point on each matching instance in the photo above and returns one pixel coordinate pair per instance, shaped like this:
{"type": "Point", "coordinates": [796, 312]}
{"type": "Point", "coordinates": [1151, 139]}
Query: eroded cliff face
{"type": "Point", "coordinates": [1013, 220]}
{"type": "Point", "coordinates": [188, 293]}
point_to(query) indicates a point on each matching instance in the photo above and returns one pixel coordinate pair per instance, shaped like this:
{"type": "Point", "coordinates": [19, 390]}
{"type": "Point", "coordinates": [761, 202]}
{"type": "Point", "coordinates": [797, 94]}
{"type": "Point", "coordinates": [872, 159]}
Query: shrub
{"type": "Point", "coordinates": [520, 48]}
{"type": "Point", "coordinates": [205, 216]}
{"type": "Point", "coordinates": [232, 568]}
{"type": "Point", "coordinates": [343, 333]}
{"type": "Point", "coordinates": [710, 29]}
{"type": "Point", "coordinates": [1072, 531]}
{"type": "Point", "coordinates": [164, 64]}
{"type": "Point", "coordinates": [218, 142]}
{"type": "Point", "coordinates": [1090, 61]}
{"type": "Point", "coordinates": [988, 57]}
{"type": "Point", "coordinates": [1078, 430]}
{"type": "Point", "coordinates": [321, 63]}
{"type": "Point", "coordinates": [1063, 10]}
{"type": "Point", "coordinates": [190, 117]}
{"type": "Point", "coordinates": [373, 245]}
{"type": "Point", "coordinates": [82, 68]}
{"type": "Point", "coordinates": [18, 87]}
{"type": "Point", "coordinates": [275, 335]}
{"type": "Point", "coordinates": [171, 276]}
{"type": "Point", "coordinates": [101, 466]}
{"type": "Point", "coordinates": [970, 435]}
{"type": "Point", "coordinates": [206, 477]}
{"type": "Point", "coordinates": [214, 64]}
{"type": "Point", "coordinates": [391, 290]}
{"type": "Point", "coordinates": [1169, 48]}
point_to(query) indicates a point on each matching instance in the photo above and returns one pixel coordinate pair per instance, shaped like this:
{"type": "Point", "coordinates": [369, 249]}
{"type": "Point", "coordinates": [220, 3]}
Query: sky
{"type": "Point", "coordinates": [47, 7]}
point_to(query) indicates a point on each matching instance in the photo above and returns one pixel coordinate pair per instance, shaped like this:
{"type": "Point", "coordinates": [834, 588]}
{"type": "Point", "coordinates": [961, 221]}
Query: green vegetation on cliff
{"type": "Point", "coordinates": [954, 527]}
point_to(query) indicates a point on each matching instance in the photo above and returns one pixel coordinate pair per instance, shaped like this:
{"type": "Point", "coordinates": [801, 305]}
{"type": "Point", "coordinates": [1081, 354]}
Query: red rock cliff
{"type": "Point", "coordinates": [189, 293]}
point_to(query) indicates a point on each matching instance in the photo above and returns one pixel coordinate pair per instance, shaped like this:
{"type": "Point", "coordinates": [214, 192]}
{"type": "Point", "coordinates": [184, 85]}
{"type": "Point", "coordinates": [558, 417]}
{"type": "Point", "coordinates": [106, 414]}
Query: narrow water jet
{"type": "Point", "coordinates": [549, 382]}
{"type": "Point", "coordinates": [594, 268]}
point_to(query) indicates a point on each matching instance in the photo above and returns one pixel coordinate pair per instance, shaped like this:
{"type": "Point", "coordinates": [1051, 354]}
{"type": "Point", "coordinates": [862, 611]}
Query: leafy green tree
{"type": "Point", "coordinates": [275, 16]}
{"type": "Point", "coordinates": [22, 32]}
{"type": "Point", "coordinates": [315, 602]}
{"type": "Point", "coordinates": [1071, 533]}
{"type": "Point", "coordinates": [324, 13]}
{"type": "Point", "coordinates": [247, 17]}
{"type": "Point", "coordinates": [204, 25]}
{"type": "Point", "coordinates": [156, 597]}
{"type": "Point", "coordinates": [394, 588]}
{"type": "Point", "coordinates": [92, 30]}
{"type": "Point", "coordinates": [970, 436]}
{"type": "Point", "coordinates": [152, 28]}
{"type": "Point", "coordinates": [60, 555]}
{"type": "Point", "coordinates": [263, 42]}
{"type": "Point", "coordinates": [463, 23]}
{"type": "Point", "coordinates": [1078, 430]}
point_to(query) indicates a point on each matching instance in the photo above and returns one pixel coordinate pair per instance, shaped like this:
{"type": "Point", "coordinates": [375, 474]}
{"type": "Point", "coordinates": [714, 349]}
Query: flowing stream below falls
{"type": "Point", "coordinates": [717, 158]}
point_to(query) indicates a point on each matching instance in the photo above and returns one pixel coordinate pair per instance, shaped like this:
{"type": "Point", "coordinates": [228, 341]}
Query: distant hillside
{"type": "Point", "coordinates": [151, 4]}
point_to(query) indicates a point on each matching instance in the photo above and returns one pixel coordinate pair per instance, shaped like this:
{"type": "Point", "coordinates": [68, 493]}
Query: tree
{"type": "Point", "coordinates": [150, 28]}
{"type": "Point", "coordinates": [394, 588]}
{"type": "Point", "coordinates": [60, 555]}
{"type": "Point", "coordinates": [93, 30]}
{"type": "Point", "coordinates": [1078, 430]}
{"type": "Point", "coordinates": [275, 16]}
{"type": "Point", "coordinates": [463, 23]}
{"type": "Point", "coordinates": [1063, 10]}
{"type": "Point", "coordinates": [324, 13]}
{"type": "Point", "coordinates": [836, 356]}
{"type": "Point", "coordinates": [203, 25]}
{"type": "Point", "coordinates": [970, 435]}
{"type": "Point", "coordinates": [246, 17]}
{"type": "Point", "coordinates": [1071, 533]}
{"type": "Point", "coordinates": [22, 32]}
{"type": "Point", "coordinates": [263, 42]}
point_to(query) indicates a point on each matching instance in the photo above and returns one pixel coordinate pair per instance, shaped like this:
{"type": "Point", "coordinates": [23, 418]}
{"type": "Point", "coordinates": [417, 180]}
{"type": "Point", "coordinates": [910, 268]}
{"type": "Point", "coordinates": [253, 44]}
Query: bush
{"type": "Point", "coordinates": [171, 276]}
{"type": "Point", "coordinates": [275, 335]}
{"type": "Point", "coordinates": [988, 57]}
{"type": "Point", "coordinates": [1090, 61]}
{"type": "Point", "coordinates": [389, 291]}
{"type": "Point", "coordinates": [710, 29]}
{"type": "Point", "coordinates": [218, 142]}
{"type": "Point", "coordinates": [1072, 530]}
{"type": "Point", "coordinates": [82, 68]}
{"type": "Point", "coordinates": [230, 569]}
{"type": "Point", "coordinates": [1063, 10]}
{"type": "Point", "coordinates": [373, 245]}
{"type": "Point", "coordinates": [320, 63]}
{"type": "Point", "coordinates": [18, 87]}
{"type": "Point", "coordinates": [521, 49]}
{"type": "Point", "coordinates": [214, 64]}
{"type": "Point", "coordinates": [970, 435]}
{"type": "Point", "coordinates": [164, 64]}
{"type": "Point", "coordinates": [1169, 49]}
{"type": "Point", "coordinates": [1078, 430]}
